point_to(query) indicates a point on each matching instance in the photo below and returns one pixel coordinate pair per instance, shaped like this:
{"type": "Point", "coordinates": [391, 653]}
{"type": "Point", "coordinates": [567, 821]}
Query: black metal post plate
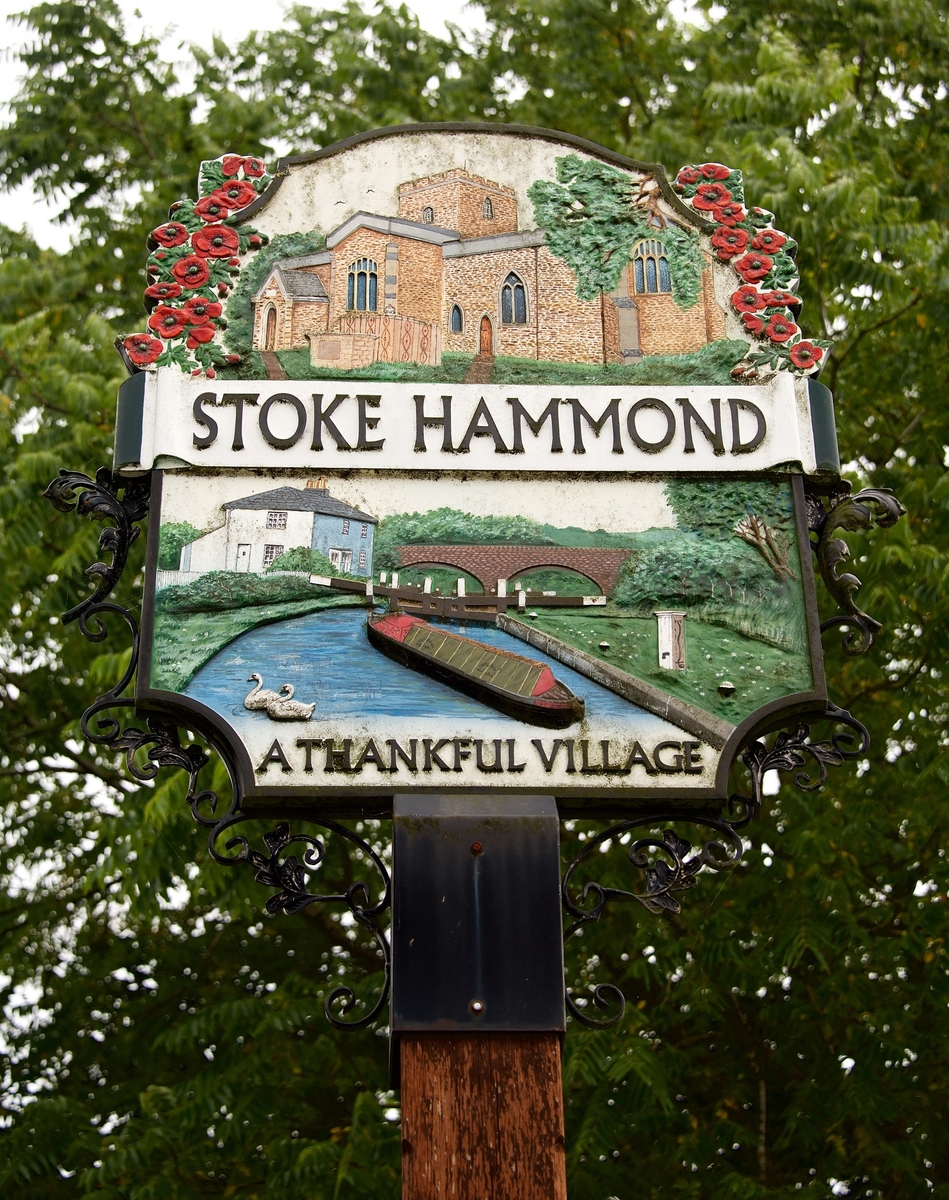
{"type": "Point", "coordinates": [477, 939]}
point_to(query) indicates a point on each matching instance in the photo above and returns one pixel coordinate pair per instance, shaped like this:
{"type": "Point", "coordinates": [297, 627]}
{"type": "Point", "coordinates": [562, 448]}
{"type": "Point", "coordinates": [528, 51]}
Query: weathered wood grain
{"type": "Point", "coordinates": [482, 1117]}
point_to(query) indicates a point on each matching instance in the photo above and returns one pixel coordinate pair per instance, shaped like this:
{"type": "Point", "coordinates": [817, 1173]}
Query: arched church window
{"type": "Point", "coordinates": [487, 209]}
{"type": "Point", "coordinates": [513, 301]}
{"type": "Point", "coordinates": [428, 216]}
{"type": "Point", "coordinates": [651, 267]}
{"type": "Point", "coordinates": [456, 319]}
{"type": "Point", "coordinates": [362, 286]}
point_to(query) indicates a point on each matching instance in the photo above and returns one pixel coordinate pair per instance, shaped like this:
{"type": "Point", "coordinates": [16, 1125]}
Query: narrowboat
{"type": "Point", "coordinates": [518, 686]}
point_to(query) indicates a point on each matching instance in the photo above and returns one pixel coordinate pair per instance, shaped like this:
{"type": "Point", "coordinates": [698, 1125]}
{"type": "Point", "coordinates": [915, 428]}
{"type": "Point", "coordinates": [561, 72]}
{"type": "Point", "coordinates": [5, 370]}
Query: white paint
{"type": "Point", "coordinates": [170, 429]}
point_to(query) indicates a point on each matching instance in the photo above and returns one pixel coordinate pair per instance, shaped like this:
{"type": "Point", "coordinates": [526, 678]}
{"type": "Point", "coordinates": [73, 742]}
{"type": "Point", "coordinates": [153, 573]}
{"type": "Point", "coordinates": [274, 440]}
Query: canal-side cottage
{"type": "Point", "coordinates": [258, 529]}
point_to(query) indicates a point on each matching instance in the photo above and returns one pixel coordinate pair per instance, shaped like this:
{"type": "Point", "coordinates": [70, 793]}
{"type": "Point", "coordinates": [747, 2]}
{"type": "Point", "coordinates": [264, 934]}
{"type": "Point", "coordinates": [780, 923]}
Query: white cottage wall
{"type": "Point", "coordinates": [248, 527]}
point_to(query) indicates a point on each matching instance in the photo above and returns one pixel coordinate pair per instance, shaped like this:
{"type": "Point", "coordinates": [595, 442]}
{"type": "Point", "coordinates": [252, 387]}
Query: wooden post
{"type": "Point", "coordinates": [482, 1117]}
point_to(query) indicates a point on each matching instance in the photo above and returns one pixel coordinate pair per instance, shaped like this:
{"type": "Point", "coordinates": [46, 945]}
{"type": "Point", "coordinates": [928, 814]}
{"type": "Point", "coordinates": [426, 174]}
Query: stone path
{"type": "Point", "coordinates": [481, 369]}
{"type": "Point", "coordinates": [272, 363]}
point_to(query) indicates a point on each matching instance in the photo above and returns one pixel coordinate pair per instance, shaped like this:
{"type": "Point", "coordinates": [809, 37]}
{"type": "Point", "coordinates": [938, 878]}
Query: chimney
{"type": "Point", "coordinates": [317, 484]}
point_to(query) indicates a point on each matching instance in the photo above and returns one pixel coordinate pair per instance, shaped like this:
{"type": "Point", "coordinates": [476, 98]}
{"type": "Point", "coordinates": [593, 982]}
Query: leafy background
{"type": "Point", "coordinates": [786, 1033]}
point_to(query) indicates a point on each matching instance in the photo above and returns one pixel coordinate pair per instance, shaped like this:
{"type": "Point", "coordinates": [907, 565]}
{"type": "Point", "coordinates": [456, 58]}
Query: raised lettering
{"type": "Point", "coordinates": [611, 413]}
{"type": "Point", "coordinates": [203, 440]}
{"type": "Point", "coordinates": [693, 764]}
{"type": "Point", "coordinates": [714, 434]}
{"type": "Point", "coordinates": [338, 760]}
{"type": "Point", "coordinates": [409, 759]}
{"type": "Point", "coordinates": [275, 755]}
{"type": "Point", "coordinates": [321, 418]}
{"type": "Point", "coordinates": [430, 748]}
{"type": "Point", "coordinates": [482, 424]}
{"type": "Point", "coordinates": [638, 440]}
{"type": "Point", "coordinates": [761, 428]}
{"type": "Point", "coordinates": [423, 422]}
{"type": "Point", "coordinates": [539, 747]}
{"type": "Point", "coordinates": [497, 765]}
{"type": "Point", "coordinates": [511, 764]}
{"type": "Point", "coordinates": [239, 399]}
{"type": "Point", "coordinates": [366, 423]}
{"type": "Point", "coordinates": [309, 745]}
{"type": "Point", "coordinates": [675, 766]}
{"type": "Point", "coordinates": [638, 758]}
{"type": "Point", "coordinates": [551, 413]}
{"type": "Point", "coordinates": [282, 443]}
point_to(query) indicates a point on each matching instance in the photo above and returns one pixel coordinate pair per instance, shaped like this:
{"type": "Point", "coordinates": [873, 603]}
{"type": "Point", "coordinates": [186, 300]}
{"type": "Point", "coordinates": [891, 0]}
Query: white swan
{"type": "Point", "coordinates": [285, 708]}
{"type": "Point", "coordinates": [256, 699]}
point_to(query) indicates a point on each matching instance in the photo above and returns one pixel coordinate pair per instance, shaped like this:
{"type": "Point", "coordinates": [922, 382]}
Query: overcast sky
{"type": "Point", "coordinates": [21, 207]}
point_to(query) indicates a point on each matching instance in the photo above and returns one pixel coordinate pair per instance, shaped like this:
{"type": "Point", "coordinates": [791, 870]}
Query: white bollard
{"type": "Point", "coordinates": [461, 587]}
{"type": "Point", "coordinates": [395, 579]}
{"type": "Point", "coordinates": [671, 639]}
{"type": "Point", "coordinates": [502, 587]}
{"type": "Point", "coordinates": [428, 585]}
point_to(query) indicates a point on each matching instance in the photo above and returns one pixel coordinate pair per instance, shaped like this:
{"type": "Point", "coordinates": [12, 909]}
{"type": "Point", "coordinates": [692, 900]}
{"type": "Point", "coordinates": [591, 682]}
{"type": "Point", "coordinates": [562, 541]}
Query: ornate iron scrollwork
{"type": "Point", "coordinates": [100, 499]}
{"type": "Point", "coordinates": [672, 864]}
{"type": "Point", "coordinates": [860, 511]}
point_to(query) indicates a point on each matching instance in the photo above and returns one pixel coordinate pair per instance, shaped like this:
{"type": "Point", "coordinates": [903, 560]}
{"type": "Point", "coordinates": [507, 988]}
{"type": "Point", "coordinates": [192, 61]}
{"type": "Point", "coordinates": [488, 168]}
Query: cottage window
{"type": "Point", "coordinates": [487, 209]}
{"type": "Point", "coordinates": [271, 553]}
{"type": "Point", "coordinates": [345, 525]}
{"type": "Point", "coordinates": [428, 216]}
{"type": "Point", "coordinates": [651, 267]}
{"type": "Point", "coordinates": [456, 319]}
{"type": "Point", "coordinates": [513, 301]}
{"type": "Point", "coordinates": [363, 530]}
{"type": "Point", "coordinates": [276, 520]}
{"type": "Point", "coordinates": [362, 560]}
{"type": "Point", "coordinates": [363, 286]}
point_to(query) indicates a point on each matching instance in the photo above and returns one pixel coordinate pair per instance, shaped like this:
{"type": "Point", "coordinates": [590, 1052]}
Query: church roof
{"type": "Point", "coordinates": [297, 284]}
{"type": "Point", "coordinates": [394, 227]}
{"type": "Point", "coordinates": [314, 500]}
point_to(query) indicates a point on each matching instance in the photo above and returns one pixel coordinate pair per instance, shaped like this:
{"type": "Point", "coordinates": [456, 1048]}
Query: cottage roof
{"type": "Point", "coordinates": [314, 500]}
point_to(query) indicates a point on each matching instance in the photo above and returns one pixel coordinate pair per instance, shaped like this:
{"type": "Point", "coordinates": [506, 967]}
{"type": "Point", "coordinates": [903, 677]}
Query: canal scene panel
{"type": "Point", "coordinates": [365, 632]}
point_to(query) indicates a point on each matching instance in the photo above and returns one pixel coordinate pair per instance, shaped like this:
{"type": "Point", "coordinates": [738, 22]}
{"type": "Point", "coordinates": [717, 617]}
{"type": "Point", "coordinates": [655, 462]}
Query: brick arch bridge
{"type": "Point", "coordinates": [488, 563]}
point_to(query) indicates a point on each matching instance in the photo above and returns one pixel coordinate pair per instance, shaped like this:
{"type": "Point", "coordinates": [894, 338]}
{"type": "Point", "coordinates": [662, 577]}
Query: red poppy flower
{"type": "Point", "coordinates": [714, 171]}
{"type": "Point", "coordinates": [255, 241]}
{"type": "Point", "coordinates": [215, 241]}
{"type": "Point", "coordinates": [200, 334]}
{"type": "Point", "coordinates": [780, 328]}
{"type": "Point", "coordinates": [255, 167]}
{"type": "Point", "coordinates": [211, 208]}
{"type": "Point", "coordinates": [769, 240]}
{"type": "Point", "coordinates": [711, 195]}
{"type": "Point", "coordinates": [806, 354]}
{"type": "Point", "coordinates": [752, 322]}
{"type": "Point", "coordinates": [199, 311]}
{"type": "Point", "coordinates": [172, 233]}
{"type": "Point", "coordinates": [222, 289]}
{"type": "Point", "coordinates": [729, 214]}
{"type": "Point", "coordinates": [191, 271]}
{"type": "Point", "coordinates": [729, 242]}
{"type": "Point", "coordinates": [748, 300]}
{"type": "Point", "coordinates": [142, 348]}
{"type": "Point", "coordinates": [753, 267]}
{"type": "Point", "coordinates": [167, 322]}
{"type": "Point", "coordinates": [782, 298]}
{"type": "Point", "coordinates": [231, 164]}
{"type": "Point", "coordinates": [688, 175]}
{"type": "Point", "coordinates": [236, 194]}
{"type": "Point", "coordinates": [163, 291]}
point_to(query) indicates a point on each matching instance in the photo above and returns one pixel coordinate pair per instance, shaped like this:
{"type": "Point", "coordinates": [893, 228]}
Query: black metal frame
{"type": "Point", "coordinates": [671, 863]}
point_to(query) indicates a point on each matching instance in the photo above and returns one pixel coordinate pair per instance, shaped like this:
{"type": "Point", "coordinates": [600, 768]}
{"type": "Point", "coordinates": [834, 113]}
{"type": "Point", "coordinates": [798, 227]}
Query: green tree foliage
{"type": "Point", "coordinates": [240, 310]}
{"type": "Point", "coordinates": [786, 1031]}
{"type": "Point", "coordinates": [451, 527]}
{"type": "Point", "coordinates": [592, 220]}
{"type": "Point", "coordinates": [171, 538]}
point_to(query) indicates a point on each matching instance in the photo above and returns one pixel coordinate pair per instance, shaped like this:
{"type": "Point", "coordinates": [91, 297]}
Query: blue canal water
{"type": "Point", "coordinates": [328, 659]}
